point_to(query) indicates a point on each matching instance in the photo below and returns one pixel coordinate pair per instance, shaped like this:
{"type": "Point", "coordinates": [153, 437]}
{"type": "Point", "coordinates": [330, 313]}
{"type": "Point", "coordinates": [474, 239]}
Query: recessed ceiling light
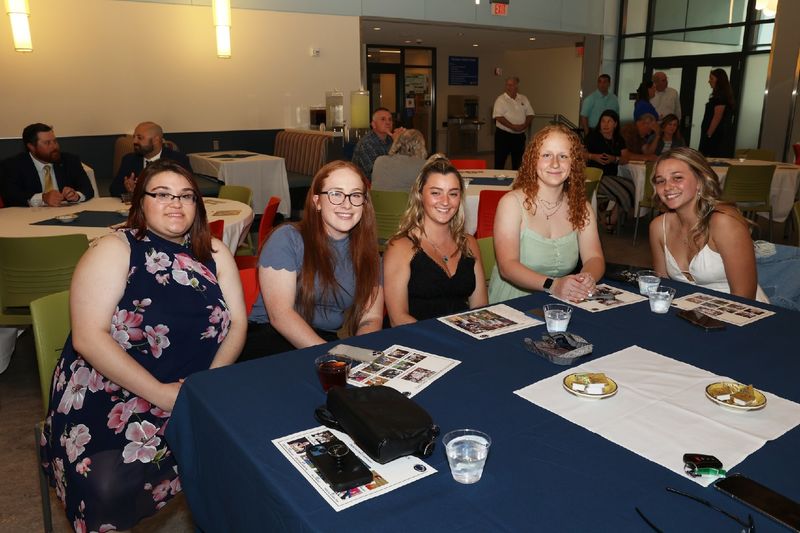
{"type": "Point", "coordinates": [407, 41]}
{"type": "Point", "coordinates": [475, 45]}
{"type": "Point", "coordinates": [531, 38]}
{"type": "Point", "coordinates": [376, 28]}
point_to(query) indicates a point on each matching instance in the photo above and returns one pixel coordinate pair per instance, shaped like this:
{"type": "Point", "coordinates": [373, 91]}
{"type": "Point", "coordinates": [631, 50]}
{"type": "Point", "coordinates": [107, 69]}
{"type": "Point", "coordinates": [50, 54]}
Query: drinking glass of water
{"type": "Point", "coordinates": [466, 452]}
{"type": "Point", "coordinates": [648, 281]}
{"type": "Point", "coordinates": [661, 299]}
{"type": "Point", "coordinates": [557, 316]}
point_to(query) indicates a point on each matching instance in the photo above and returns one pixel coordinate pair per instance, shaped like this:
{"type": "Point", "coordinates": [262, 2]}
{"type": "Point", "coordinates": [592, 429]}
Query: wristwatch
{"type": "Point", "coordinates": [547, 284]}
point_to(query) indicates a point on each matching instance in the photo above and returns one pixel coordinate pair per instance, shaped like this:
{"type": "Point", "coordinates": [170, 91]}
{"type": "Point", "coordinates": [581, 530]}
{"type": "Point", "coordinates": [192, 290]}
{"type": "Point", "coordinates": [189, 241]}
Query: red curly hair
{"type": "Point", "coordinates": [574, 187]}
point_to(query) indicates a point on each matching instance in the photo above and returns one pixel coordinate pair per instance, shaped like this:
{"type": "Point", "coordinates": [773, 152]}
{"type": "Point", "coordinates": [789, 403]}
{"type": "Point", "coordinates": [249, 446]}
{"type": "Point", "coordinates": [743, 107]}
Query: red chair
{"type": "Point", "coordinates": [487, 207]}
{"type": "Point", "coordinates": [796, 147]}
{"type": "Point", "coordinates": [264, 229]}
{"type": "Point", "coordinates": [469, 164]}
{"type": "Point", "coordinates": [249, 277]}
{"type": "Point", "coordinates": [217, 228]}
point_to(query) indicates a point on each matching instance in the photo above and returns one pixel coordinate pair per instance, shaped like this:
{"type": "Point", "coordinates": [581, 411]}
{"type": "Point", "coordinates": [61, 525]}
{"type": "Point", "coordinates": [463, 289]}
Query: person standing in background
{"type": "Point", "coordinates": [717, 135]}
{"type": "Point", "coordinates": [597, 102]}
{"type": "Point", "coordinates": [512, 114]}
{"type": "Point", "coordinates": [666, 100]}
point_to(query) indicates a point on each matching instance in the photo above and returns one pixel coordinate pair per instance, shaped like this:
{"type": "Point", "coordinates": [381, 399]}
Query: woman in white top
{"type": "Point", "coordinates": [700, 239]}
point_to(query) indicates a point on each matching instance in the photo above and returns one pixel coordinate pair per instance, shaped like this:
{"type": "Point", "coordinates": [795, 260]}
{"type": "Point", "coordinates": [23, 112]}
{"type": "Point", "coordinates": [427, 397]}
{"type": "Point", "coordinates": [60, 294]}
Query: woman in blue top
{"type": "Point", "coordinates": [321, 274]}
{"type": "Point", "coordinates": [545, 224]}
{"type": "Point", "coordinates": [644, 93]}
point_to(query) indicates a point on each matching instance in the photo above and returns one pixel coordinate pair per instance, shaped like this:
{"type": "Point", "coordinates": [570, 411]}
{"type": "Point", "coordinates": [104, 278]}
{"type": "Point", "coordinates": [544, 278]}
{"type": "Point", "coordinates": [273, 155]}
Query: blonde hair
{"type": "Point", "coordinates": [410, 143]}
{"type": "Point", "coordinates": [708, 197]}
{"type": "Point", "coordinates": [411, 226]}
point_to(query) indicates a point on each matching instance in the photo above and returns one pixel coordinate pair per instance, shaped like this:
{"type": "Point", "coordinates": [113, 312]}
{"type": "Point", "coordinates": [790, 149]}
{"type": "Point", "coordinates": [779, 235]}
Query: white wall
{"type": "Point", "coordinates": [550, 78]}
{"type": "Point", "coordinates": [101, 66]}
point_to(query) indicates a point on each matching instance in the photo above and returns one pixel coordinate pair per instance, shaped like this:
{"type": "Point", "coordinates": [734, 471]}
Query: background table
{"type": "Point", "coordinates": [17, 221]}
{"type": "Point", "coordinates": [472, 197]}
{"type": "Point", "coordinates": [543, 472]}
{"type": "Point", "coordinates": [784, 182]}
{"type": "Point", "coordinates": [264, 174]}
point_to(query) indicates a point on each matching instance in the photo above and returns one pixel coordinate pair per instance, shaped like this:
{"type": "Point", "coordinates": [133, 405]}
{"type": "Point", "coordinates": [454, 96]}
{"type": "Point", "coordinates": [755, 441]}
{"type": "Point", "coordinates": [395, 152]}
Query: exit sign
{"type": "Point", "coordinates": [500, 9]}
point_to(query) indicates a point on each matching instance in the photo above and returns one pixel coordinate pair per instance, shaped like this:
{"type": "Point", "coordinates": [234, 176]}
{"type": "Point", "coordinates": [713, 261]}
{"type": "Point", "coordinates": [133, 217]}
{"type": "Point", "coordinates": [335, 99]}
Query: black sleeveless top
{"type": "Point", "coordinates": [432, 293]}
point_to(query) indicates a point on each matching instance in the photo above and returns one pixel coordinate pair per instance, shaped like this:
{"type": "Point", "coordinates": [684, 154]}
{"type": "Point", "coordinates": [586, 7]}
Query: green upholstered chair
{"type": "Point", "coordinates": [648, 200]}
{"type": "Point", "coordinates": [593, 173]}
{"type": "Point", "coordinates": [51, 327]}
{"type": "Point", "coordinates": [749, 186]}
{"type": "Point", "coordinates": [32, 267]}
{"type": "Point", "coordinates": [758, 154]}
{"type": "Point", "coordinates": [389, 209]}
{"type": "Point", "coordinates": [488, 260]}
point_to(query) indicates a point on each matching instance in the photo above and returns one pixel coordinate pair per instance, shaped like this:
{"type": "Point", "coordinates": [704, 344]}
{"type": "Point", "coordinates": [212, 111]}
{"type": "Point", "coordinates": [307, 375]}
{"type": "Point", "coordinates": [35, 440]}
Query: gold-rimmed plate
{"type": "Point", "coordinates": [721, 388]}
{"type": "Point", "coordinates": [609, 389]}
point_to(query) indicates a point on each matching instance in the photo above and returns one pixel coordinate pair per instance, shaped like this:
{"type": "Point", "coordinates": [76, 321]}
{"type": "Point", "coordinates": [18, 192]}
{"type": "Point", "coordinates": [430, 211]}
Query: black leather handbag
{"type": "Point", "coordinates": [382, 421]}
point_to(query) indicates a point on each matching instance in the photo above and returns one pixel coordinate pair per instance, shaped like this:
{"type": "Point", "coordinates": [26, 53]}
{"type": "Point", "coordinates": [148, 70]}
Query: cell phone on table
{"type": "Point", "coordinates": [338, 465]}
{"type": "Point", "coordinates": [763, 499]}
{"type": "Point", "coordinates": [702, 320]}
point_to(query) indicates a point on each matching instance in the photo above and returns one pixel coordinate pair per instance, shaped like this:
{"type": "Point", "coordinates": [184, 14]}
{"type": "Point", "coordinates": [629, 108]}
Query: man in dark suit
{"type": "Point", "coordinates": [148, 146]}
{"type": "Point", "coordinates": [43, 175]}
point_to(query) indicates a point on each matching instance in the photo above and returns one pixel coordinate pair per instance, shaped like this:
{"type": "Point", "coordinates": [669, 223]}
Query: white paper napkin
{"type": "Point", "coordinates": [661, 412]}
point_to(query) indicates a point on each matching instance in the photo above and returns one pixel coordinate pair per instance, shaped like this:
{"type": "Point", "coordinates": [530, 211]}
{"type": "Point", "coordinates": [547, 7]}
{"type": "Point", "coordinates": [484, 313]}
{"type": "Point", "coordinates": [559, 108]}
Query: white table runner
{"type": "Point", "coordinates": [661, 411]}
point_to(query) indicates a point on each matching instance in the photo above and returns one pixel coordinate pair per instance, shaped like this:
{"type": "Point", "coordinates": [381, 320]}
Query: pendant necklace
{"type": "Point", "coordinates": [550, 208]}
{"type": "Point", "coordinates": [445, 257]}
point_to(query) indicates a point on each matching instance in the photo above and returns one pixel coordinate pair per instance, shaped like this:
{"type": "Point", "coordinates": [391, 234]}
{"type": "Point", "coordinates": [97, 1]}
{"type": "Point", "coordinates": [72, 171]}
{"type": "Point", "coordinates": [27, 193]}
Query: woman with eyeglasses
{"type": "Point", "coordinates": [322, 274]}
{"type": "Point", "coordinates": [432, 266]}
{"type": "Point", "coordinates": [150, 305]}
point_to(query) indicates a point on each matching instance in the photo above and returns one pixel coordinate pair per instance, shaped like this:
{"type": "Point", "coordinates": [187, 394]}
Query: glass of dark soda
{"type": "Point", "coordinates": [332, 370]}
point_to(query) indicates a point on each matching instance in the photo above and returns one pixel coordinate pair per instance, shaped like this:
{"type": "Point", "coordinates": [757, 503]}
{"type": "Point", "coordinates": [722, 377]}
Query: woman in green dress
{"type": "Point", "coordinates": [544, 225]}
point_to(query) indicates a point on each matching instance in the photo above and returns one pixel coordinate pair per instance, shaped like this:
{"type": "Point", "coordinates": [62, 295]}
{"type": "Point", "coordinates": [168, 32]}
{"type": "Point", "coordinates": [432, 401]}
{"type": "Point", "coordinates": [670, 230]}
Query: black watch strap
{"type": "Point", "coordinates": [547, 284]}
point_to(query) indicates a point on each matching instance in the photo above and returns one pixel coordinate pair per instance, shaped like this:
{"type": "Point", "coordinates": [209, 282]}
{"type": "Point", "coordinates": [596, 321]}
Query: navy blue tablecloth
{"type": "Point", "coordinates": [543, 472]}
{"type": "Point", "coordinates": [88, 219]}
{"type": "Point", "coordinates": [504, 182]}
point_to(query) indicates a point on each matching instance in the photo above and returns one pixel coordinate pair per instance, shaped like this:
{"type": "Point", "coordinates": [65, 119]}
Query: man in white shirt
{"type": "Point", "coordinates": [666, 100]}
{"type": "Point", "coordinates": [512, 115]}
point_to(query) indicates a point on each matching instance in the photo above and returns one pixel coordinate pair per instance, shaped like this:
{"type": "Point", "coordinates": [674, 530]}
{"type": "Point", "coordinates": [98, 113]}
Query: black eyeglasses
{"type": "Point", "coordinates": [357, 198]}
{"type": "Point", "coordinates": [187, 198]}
{"type": "Point", "coordinates": [747, 526]}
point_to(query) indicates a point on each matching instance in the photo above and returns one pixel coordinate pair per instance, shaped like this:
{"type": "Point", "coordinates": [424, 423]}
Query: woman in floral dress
{"type": "Point", "coordinates": [150, 305]}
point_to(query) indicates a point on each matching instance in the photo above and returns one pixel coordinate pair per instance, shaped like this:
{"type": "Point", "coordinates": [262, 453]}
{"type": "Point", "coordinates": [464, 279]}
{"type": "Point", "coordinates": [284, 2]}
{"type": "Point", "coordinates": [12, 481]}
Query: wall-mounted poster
{"type": "Point", "coordinates": [462, 70]}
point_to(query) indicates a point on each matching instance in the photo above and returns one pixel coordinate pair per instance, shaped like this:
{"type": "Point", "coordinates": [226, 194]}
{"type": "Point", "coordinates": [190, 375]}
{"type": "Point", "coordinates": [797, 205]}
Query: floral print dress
{"type": "Point", "coordinates": [103, 447]}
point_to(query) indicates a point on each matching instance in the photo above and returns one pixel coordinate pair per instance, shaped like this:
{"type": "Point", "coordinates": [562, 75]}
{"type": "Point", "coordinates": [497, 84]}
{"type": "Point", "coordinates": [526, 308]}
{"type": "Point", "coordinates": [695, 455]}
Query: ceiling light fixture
{"type": "Point", "coordinates": [531, 38]}
{"type": "Point", "coordinates": [475, 45]}
{"type": "Point", "coordinates": [18, 12]}
{"type": "Point", "coordinates": [222, 23]}
{"type": "Point", "coordinates": [376, 28]}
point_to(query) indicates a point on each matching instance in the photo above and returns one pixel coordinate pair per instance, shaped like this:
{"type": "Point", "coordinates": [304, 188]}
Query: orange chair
{"type": "Point", "coordinates": [487, 207]}
{"type": "Point", "coordinates": [249, 277]}
{"type": "Point", "coordinates": [217, 228]}
{"type": "Point", "coordinates": [469, 164]}
{"type": "Point", "coordinates": [264, 229]}
{"type": "Point", "coordinates": [796, 147]}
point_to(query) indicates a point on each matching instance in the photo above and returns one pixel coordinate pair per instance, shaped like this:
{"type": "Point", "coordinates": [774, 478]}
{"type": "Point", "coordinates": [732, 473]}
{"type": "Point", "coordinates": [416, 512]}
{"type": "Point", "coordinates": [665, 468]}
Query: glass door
{"type": "Point", "coordinates": [402, 79]}
{"type": "Point", "coordinates": [689, 76]}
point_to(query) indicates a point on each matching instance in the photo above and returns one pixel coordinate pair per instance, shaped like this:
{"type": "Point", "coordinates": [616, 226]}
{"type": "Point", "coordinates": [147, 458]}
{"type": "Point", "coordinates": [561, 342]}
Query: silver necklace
{"type": "Point", "coordinates": [445, 257]}
{"type": "Point", "coordinates": [550, 208]}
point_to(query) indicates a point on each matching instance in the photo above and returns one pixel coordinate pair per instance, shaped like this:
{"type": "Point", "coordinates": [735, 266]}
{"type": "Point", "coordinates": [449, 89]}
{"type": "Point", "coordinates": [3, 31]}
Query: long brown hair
{"type": "Point", "coordinates": [708, 197]}
{"type": "Point", "coordinates": [318, 260]}
{"type": "Point", "coordinates": [199, 234]}
{"type": "Point", "coordinates": [411, 226]}
{"type": "Point", "coordinates": [574, 187]}
{"type": "Point", "coordinates": [722, 88]}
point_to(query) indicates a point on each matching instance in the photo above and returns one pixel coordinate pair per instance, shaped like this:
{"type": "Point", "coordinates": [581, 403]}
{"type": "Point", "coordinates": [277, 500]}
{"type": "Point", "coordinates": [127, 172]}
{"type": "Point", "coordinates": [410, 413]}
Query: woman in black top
{"type": "Point", "coordinates": [432, 267]}
{"type": "Point", "coordinates": [605, 149]}
{"type": "Point", "coordinates": [717, 129]}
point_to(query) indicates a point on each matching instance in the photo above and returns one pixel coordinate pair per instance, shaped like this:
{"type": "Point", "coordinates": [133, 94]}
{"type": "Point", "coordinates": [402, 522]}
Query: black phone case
{"type": "Point", "coordinates": [702, 321]}
{"type": "Point", "coordinates": [763, 499]}
{"type": "Point", "coordinates": [348, 472]}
